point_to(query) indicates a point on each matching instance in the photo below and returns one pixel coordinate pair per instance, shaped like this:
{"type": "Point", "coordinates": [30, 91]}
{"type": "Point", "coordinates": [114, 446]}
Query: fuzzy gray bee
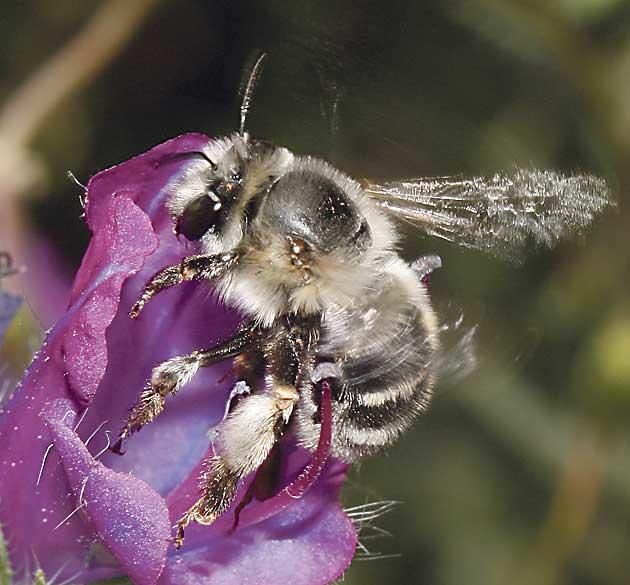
{"type": "Point", "coordinates": [309, 255]}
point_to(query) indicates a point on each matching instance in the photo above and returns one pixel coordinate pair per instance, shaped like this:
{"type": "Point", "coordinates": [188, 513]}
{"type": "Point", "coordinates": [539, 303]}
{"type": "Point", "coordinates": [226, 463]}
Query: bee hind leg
{"type": "Point", "coordinates": [245, 440]}
{"type": "Point", "coordinates": [169, 376]}
{"type": "Point", "coordinates": [248, 435]}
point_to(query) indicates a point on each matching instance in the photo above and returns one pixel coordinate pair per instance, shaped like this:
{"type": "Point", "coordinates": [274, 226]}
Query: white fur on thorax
{"type": "Point", "coordinates": [265, 284]}
{"type": "Point", "coordinates": [384, 235]}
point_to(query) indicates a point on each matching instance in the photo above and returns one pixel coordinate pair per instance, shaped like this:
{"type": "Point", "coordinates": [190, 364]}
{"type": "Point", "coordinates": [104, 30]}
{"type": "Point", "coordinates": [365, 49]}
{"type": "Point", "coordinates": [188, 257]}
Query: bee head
{"type": "Point", "coordinates": [208, 212]}
{"type": "Point", "coordinates": [214, 199]}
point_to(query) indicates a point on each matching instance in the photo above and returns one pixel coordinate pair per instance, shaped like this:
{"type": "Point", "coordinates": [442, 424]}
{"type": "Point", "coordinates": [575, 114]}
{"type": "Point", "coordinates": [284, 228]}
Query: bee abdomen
{"type": "Point", "coordinates": [385, 350]}
{"type": "Point", "coordinates": [399, 408]}
{"type": "Point", "coordinates": [371, 416]}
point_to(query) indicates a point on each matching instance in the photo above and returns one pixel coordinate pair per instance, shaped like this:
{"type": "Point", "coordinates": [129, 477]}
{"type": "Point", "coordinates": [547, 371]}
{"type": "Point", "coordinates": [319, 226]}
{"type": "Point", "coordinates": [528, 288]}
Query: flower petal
{"type": "Point", "coordinates": [118, 249]}
{"type": "Point", "coordinates": [178, 321]}
{"type": "Point", "coordinates": [128, 517]}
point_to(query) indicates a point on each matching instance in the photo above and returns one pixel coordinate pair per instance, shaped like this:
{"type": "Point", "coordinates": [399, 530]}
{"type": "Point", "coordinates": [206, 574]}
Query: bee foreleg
{"type": "Point", "coordinates": [169, 376]}
{"type": "Point", "coordinates": [245, 440]}
{"type": "Point", "coordinates": [198, 267]}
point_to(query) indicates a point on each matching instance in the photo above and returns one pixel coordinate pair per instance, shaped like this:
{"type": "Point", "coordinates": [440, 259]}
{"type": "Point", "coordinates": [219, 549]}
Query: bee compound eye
{"type": "Point", "coordinates": [198, 217]}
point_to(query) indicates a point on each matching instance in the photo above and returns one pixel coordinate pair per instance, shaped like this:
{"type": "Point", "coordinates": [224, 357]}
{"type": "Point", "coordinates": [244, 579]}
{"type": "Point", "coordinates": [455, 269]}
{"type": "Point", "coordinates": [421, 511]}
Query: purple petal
{"type": "Point", "coordinates": [128, 517]}
{"type": "Point", "coordinates": [178, 321]}
{"type": "Point", "coordinates": [68, 367]}
{"type": "Point", "coordinates": [118, 249]}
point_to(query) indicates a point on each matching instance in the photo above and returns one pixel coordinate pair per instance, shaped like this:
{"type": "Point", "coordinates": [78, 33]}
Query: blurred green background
{"type": "Point", "coordinates": [520, 473]}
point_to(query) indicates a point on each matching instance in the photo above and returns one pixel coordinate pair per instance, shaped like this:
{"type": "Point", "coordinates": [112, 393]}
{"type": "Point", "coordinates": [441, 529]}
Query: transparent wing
{"type": "Point", "coordinates": [500, 214]}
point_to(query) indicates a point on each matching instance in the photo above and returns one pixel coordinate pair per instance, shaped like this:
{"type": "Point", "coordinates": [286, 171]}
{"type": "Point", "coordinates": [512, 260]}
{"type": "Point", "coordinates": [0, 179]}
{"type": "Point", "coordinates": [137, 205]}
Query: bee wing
{"type": "Point", "coordinates": [500, 214]}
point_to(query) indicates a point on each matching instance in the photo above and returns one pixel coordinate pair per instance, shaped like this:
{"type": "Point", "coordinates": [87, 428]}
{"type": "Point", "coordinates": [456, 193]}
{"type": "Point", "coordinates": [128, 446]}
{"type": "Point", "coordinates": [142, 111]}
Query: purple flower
{"type": "Point", "coordinates": [81, 510]}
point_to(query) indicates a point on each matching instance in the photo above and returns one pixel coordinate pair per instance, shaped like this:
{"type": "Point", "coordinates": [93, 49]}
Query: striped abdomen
{"type": "Point", "coordinates": [385, 349]}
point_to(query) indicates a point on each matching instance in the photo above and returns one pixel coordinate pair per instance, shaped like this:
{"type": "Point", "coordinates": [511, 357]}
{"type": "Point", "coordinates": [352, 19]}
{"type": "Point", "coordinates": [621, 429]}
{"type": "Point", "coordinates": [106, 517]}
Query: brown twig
{"type": "Point", "coordinates": [26, 111]}
{"type": "Point", "coordinates": [104, 36]}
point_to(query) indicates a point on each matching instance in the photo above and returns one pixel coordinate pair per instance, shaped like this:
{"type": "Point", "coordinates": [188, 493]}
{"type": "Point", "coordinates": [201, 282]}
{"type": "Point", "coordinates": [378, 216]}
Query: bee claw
{"type": "Point", "coordinates": [185, 520]}
{"type": "Point", "coordinates": [136, 310]}
{"type": "Point", "coordinates": [178, 539]}
{"type": "Point", "coordinates": [117, 447]}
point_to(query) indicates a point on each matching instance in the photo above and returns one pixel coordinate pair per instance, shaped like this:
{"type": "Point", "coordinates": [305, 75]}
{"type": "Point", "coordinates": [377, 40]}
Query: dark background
{"type": "Point", "coordinates": [520, 473]}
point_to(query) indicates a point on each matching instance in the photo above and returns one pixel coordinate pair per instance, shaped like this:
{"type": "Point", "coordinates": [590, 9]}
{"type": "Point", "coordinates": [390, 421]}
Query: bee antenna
{"type": "Point", "coordinates": [247, 90]}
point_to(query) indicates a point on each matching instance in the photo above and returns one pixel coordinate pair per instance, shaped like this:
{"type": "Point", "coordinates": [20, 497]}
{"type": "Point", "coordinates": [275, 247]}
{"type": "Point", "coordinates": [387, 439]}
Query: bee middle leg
{"type": "Point", "coordinates": [169, 376]}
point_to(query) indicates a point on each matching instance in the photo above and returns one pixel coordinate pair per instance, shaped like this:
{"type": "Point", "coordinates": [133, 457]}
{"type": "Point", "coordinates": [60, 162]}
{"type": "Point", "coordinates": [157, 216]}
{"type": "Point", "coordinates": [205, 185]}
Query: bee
{"type": "Point", "coordinates": [309, 256]}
